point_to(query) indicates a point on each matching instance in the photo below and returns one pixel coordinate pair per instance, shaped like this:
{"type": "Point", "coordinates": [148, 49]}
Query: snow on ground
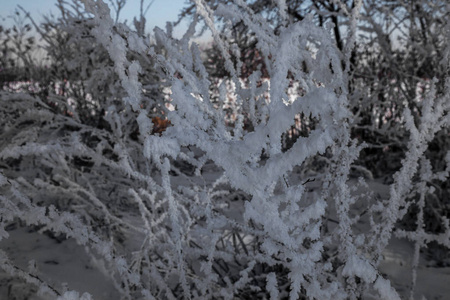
{"type": "Point", "coordinates": [432, 283]}
{"type": "Point", "coordinates": [58, 261]}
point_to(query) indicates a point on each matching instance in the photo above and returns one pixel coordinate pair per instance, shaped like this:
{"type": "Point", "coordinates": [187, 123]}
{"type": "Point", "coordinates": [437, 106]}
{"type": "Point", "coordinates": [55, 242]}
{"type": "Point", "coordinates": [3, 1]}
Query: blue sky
{"type": "Point", "coordinates": [159, 13]}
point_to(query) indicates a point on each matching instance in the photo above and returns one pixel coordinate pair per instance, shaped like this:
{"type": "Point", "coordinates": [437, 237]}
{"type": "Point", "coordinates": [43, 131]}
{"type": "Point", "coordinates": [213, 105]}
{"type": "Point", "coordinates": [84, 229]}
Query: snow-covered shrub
{"type": "Point", "coordinates": [392, 71]}
{"type": "Point", "coordinates": [88, 80]}
{"type": "Point", "coordinates": [206, 210]}
{"type": "Point", "coordinates": [395, 69]}
{"type": "Point", "coordinates": [16, 50]}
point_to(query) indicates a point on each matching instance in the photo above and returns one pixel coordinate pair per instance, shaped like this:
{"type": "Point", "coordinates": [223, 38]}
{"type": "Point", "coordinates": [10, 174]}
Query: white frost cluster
{"type": "Point", "coordinates": [260, 222]}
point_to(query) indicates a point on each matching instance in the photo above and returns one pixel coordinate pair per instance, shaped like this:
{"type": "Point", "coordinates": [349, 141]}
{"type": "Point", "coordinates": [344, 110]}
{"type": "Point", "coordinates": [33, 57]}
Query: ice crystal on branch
{"type": "Point", "coordinates": [213, 204]}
